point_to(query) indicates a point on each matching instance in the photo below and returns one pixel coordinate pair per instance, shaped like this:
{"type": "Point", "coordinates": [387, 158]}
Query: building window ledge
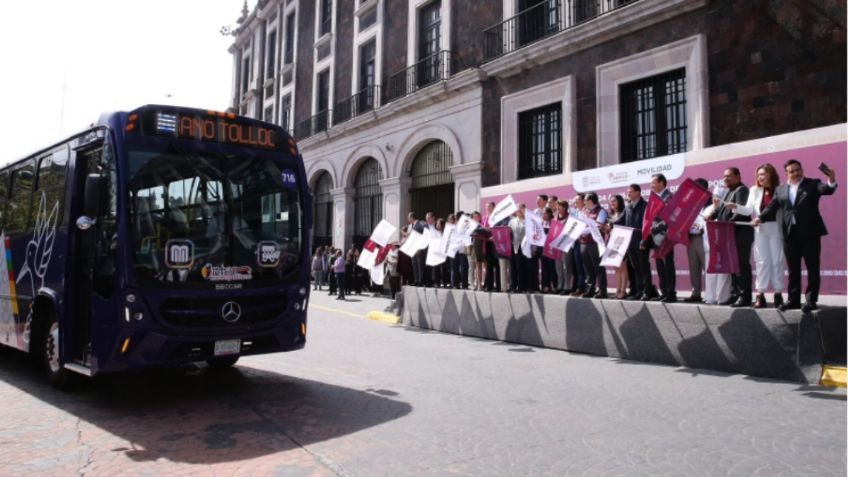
{"type": "Point", "coordinates": [365, 7]}
{"type": "Point", "coordinates": [286, 68]}
{"type": "Point", "coordinates": [323, 40]}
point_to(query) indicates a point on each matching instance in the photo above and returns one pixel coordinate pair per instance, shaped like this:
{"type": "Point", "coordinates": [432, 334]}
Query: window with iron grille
{"type": "Point", "coordinates": [368, 200]}
{"type": "Point", "coordinates": [540, 141]}
{"type": "Point", "coordinates": [653, 116]}
{"type": "Point", "coordinates": [429, 42]}
{"type": "Point", "coordinates": [367, 76]}
{"type": "Point", "coordinates": [268, 116]}
{"type": "Point", "coordinates": [285, 113]}
{"type": "Point", "coordinates": [323, 210]}
{"type": "Point", "coordinates": [326, 16]}
{"type": "Point", "coordinates": [431, 166]}
{"type": "Point", "coordinates": [289, 56]}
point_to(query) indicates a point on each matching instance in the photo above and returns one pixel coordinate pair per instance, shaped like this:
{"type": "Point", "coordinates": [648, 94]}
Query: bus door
{"type": "Point", "coordinates": [94, 277]}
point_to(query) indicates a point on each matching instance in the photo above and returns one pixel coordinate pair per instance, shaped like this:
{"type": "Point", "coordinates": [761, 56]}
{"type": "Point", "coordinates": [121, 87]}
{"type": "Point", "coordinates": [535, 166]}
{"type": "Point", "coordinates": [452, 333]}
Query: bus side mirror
{"type": "Point", "coordinates": [93, 199]}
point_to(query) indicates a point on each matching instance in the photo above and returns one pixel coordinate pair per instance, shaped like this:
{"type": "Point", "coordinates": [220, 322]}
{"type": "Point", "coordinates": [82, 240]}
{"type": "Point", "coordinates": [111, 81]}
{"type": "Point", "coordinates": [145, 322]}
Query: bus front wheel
{"type": "Point", "coordinates": [57, 375]}
{"type": "Point", "coordinates": [222, 362]}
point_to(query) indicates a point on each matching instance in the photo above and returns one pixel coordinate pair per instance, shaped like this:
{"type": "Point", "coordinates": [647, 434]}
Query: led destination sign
{"type": "Point", "coordinates": [215, 127]}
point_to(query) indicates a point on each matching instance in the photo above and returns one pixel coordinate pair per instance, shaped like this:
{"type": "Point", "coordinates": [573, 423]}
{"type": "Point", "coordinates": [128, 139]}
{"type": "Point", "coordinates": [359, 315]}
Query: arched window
{"type": "Point", "coordinates": [368, 201]}
{"type": "Point", "coordinates": [432, 188]}
{"type": "Point", "coordinates": [323, 217]}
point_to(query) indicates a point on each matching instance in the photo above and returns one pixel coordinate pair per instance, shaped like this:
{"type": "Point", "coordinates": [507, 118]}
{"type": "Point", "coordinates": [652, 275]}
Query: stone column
{"type": "Point", "coordinates": [342, 217]}
{"type": "Point", "coordinates": [468, 179]}
{"type": "Point", "coordinates": [396, 201]}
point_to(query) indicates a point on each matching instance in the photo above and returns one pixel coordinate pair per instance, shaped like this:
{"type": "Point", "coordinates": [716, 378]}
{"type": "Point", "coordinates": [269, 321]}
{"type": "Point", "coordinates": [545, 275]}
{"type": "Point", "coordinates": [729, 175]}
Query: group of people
{"type": "Point", "coordinates": [774, 221]}
{"type": "Point", "coordinates": [338, 271]}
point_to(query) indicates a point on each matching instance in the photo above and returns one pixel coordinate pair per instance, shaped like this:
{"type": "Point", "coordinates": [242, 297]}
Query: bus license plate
{"type": "Point", "coordinates": [225, 347]}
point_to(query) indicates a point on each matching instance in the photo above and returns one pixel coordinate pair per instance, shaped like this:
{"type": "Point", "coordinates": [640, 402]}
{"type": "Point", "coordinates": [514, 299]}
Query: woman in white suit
{"type": "Point", "coordinates": [768, 237]}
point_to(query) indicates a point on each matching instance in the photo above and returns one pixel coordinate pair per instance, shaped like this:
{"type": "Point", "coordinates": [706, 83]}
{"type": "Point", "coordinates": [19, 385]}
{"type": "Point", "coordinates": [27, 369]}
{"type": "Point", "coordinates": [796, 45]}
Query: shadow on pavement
{"type": "Point", "coordinates": [196, 415]}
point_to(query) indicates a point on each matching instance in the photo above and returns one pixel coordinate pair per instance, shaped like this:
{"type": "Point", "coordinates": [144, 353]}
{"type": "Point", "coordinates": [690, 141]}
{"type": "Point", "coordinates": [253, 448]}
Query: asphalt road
{"type": "Point", "coordinates": [367, 398]}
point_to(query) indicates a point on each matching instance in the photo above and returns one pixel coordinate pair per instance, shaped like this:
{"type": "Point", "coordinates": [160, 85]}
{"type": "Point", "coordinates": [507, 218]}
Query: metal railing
{"type": "Point", "coordinates": [429, 70]}
{"type": "Point", "coordinates": [542, 20]}
{"type": "Point", "coordinates": [313, 125]}
{"type": "Point", "coordinates": [351, 107]}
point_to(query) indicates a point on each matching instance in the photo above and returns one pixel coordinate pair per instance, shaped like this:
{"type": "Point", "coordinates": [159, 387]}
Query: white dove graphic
{"type": "Point", "coordinates": [40, 247]}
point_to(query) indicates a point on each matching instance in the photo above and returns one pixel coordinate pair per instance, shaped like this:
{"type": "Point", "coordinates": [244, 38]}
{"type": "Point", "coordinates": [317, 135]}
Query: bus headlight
{"type": "Point", "coordinates": [138, 316]}
{"type": "Point", "coordinates": [130, 298]}
{"type": "Point", "coordinates": [297, 306]}
{"type": "Point", "coordinates": [302, 291]}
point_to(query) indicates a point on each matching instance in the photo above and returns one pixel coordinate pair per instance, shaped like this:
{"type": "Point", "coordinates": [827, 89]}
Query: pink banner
{"type": "Point", "coordinates": [663, 250]}
{"type": "Point", "coordinates": [502, 237]}
{"type": "Point", "coordinates": [553, 232]}
{"type": "Point", "coordinates": [655, 205]}
{"type": "Point", "coordinates": [682, 210]}
{"type": "Point", "coordinates": [383, 253]}
{"type": "Point", "coordinates": [723, 256]}
{"type": "Point", "coordinates": [370, 245]}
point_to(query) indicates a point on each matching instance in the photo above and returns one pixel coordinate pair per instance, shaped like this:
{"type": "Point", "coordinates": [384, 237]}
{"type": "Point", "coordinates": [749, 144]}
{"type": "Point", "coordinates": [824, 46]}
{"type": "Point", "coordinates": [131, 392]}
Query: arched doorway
{"type": "Point", "coordinates": [432, 188]}
{"type": "Point", "coordinates": [367, 201]}
{"type": "Point", "coordinates": [323, 223]}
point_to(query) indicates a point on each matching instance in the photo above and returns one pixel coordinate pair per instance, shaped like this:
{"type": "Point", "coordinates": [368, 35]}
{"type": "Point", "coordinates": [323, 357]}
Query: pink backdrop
{"type": "Point", "coordinates": [833, 208]}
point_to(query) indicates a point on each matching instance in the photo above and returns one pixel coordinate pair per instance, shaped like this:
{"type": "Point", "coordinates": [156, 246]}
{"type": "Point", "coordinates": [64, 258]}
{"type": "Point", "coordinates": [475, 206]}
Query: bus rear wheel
{"type": "Point", "coordinates": [222, 362]}
{"type": "Point", "coordinates": [57, 375]}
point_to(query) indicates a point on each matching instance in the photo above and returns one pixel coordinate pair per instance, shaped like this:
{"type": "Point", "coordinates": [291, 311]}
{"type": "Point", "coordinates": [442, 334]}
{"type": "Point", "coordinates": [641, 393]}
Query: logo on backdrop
{"type": "Point", "coordinates": [289, 178]}
{"type": "Point", "coordinates": [179, 253]}
{"type": "Point", "coordinates": [267, 254]}
{"type": "Point", "coordinates": [622, 175]}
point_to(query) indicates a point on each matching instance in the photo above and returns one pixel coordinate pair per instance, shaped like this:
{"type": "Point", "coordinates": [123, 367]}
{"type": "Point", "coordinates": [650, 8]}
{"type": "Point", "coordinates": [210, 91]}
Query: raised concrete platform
{"type": "Point", "coordinates": [766, 343]}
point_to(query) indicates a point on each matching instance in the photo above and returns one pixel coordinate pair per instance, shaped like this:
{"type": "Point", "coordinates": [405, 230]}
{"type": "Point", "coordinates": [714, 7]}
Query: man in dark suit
{"type": "Point", "coordinates": [641, 286]}
{"type": "Point", "coordinates": [665, 266]}
{"type": "Point", "coordinates": [420, 257]}
{"type": "Point", "coordinates": [796, 207]}
{"type": "Point", "coordinates": [737, 193]}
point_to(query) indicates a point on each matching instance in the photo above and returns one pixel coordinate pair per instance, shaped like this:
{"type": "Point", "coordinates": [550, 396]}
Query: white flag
{"type": "Point", "coordinates": [526, 247]}
{"type": "Point", "coordinates": [434, 257]}
{"type": "Point", "coordinates": [383, 233]}
{"type": "Point", "coordinates": [535, 230]}
{"type": "Point", "coordinates": [377, 273]}
{"type": "Point", "coordinates": [466, 225]}
{"type": "Point", "coordinates": [569, 235]}
{"type": "Point", "coordinates": [597, 236]}
{"type": "Point", "coordinates": [617, 246]}
{"type": "Point", "coordinates": [448, 239]}
{"type": "Point", "coordinates": [367, 258]}
{"type": "Point", "coordinates": [504, 209]}
{"type": "Point", "coordinates": [414, 242]}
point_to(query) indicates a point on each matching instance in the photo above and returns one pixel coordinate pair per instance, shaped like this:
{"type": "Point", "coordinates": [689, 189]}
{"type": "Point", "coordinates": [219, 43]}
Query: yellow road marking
{"type": "Point", "coordinates": [834, 376]}
{"type": "Point", "coordinates": [335, 310]}
{"type": "Point", "coordinates": [383, 317]}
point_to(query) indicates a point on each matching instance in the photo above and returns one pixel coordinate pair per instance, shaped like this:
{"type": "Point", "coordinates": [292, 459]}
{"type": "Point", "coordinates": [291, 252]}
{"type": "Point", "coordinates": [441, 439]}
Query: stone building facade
{"type": "Point", "coordinates": [402, 105]}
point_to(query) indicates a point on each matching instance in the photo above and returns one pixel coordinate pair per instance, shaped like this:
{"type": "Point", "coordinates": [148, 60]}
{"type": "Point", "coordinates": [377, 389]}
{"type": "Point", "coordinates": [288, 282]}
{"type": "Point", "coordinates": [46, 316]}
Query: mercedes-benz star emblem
{"type": "Point", "coordinates": [231, 311]}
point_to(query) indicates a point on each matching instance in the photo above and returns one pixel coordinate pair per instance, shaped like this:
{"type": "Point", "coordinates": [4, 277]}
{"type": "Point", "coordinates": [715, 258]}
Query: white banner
{"type": "Point", "coordinates": [414, 243]}
{"type": "Point", "coordinates": [466, 225]}
{"type": "Point", "coordinates": [569, 235]}
{"type": "Point", "coordinates": [621, 175]}
{"type": "Point", "coordinates": [535, 230]}
{"type": "Point", "coordinates": [383, 233]}
{"type": "Point", "coordinates": [367, 258]}
{"type": "Point", "coordinates": [377, 274]}
{"type": "Point", "coordinates": [526, 248]}
{"type": "Point", "coordinates": [449, 239]}
{"type": "Point", "coordinates": [617, 246]}
{"type": "Point", "coordinates": [434, 257]}
{"type": "Point", "coordinates": [504, 209]}
{"type": "Point", "coordinates": [597, 236]}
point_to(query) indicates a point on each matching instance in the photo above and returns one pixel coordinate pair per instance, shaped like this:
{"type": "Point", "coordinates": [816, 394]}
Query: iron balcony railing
{"type": "Point", "coordinates": [313, 125]}
{"type": "Point", "coordinates": [361, 102]}
{"type": "Point", "coordinates": [544, 19]}
{"type": "Point", "coordinates": [431, 69]}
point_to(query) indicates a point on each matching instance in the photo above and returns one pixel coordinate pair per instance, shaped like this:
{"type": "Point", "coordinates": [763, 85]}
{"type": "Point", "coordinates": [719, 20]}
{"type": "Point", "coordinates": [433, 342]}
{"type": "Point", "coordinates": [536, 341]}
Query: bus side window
{"type": "Point", "coordinates": [4, 197]}
{"type": "Point", "coordinates": [107, 238]}
{"type": "Point", "coordinates": [51, 182]}
{"type": "Point", "coordinates": [19, 207]}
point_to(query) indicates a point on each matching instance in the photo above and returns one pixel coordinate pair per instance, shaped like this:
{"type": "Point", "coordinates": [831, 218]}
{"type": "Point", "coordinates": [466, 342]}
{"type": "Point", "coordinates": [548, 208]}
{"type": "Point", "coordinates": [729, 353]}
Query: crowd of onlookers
{"type": "Point", "coordinates": [773, 222]}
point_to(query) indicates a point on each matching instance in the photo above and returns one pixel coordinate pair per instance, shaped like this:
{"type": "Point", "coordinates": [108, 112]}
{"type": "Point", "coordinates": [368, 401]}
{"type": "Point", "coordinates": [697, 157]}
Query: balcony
{"type": "Point", "coordinates": [430, 70]}
{"type": "Point", "coordinates": [313, 125]}
{"type": "Point", "coordinates": [542, 20]}
{"type": "Point", "coordinates": [359, 103]}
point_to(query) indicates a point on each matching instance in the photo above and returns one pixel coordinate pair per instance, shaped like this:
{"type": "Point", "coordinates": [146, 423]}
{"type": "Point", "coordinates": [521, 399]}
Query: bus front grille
{"type": "Point", "coordinates": [209, 312]}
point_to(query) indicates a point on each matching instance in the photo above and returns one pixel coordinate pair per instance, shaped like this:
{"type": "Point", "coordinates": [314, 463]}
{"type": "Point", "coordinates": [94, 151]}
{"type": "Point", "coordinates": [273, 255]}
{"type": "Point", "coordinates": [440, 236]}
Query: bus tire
{"type": "Point", "coordinates": [223, 362]}
{"type": "Point", "coordinates": [57, 375]}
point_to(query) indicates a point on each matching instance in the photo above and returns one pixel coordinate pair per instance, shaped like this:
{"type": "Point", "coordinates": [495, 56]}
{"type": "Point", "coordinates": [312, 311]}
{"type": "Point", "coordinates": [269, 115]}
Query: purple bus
{"type": "Point", "coordinates": [160, 236]}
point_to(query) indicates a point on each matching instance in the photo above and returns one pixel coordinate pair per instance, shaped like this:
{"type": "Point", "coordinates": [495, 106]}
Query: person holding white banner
{"type": "Point", "coordinates": [520, 263]}
{"type": "Point", "coordinates": [596, 275]}
{"type": "Point", "coordinates": [617, 218]}
{"type": "Point", "coordinates": [564, 264]}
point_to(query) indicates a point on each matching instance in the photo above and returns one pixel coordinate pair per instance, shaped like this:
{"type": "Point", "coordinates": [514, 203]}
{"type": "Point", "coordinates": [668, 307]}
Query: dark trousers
{"type": "Point", "coordinates": [549, 276]}
{"type": "Point", "coordinates": [642, 283]}
{"type": "Point", "coordinates": [741, 282]}
{"type": "Point", "coordinates": [596, 275]}
{"type": "Point", "coordinates": [533, 273]}
{"type": "Point", "coordinates": [493, 270]}
{"type": "Point", "coordinates": [340, 280]}
{"type": "Point", "coordinates": [667, 275]}
{"type": "Point", "coordinates": [520, 272]}
{"type": "Point", "coordinates": [808, 248]}
{"type": "Point", "coordinates": [579, 273]}
{"type": "Point", "coordinates": [333, 285]}
{"type": "Point", "coordinates": [418, 268]}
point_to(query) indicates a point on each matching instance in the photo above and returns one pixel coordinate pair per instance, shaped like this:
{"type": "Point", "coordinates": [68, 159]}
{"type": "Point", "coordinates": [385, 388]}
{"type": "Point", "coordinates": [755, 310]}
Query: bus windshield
{"type": "Point", "coordinates": [215, 220]}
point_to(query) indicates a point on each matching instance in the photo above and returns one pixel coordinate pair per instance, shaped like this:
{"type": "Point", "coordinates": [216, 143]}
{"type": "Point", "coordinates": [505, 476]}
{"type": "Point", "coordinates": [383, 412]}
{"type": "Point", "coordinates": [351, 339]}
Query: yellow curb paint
{"type": "Point", "coordinates": [834, 376]}
{"type": "Point", "coordinates": [383, 317]}
{"type": "Point", "coordinates": [335, 310]}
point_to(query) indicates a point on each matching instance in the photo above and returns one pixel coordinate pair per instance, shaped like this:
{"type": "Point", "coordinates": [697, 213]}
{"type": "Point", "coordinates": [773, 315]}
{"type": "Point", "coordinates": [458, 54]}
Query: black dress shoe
{"type": "Point", "coordinates": [601, 296]}
{"type": "Point", "coordinates": [669, 299]}
{"type": "Point", "coordinates": [733, 299]}
{"type": "Point", "coordinates": [790, 306]}
{"type": "Point", "coordinates": [778, 300]}
{"type": "Point", "coordinates": [633, 297]}
{"type": "Point", "coordinates": [760, 302]}
{"type": "Point", "coordinates": [693, 299]}
{"type": "Point", "coordinates": [809, 306]}
{"type": "Point", "coordinates": [658, 298]}
{"type": "Point", "coordinates": [590, 293]}
{"type": "Point", "coordinates": [742, 303]}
